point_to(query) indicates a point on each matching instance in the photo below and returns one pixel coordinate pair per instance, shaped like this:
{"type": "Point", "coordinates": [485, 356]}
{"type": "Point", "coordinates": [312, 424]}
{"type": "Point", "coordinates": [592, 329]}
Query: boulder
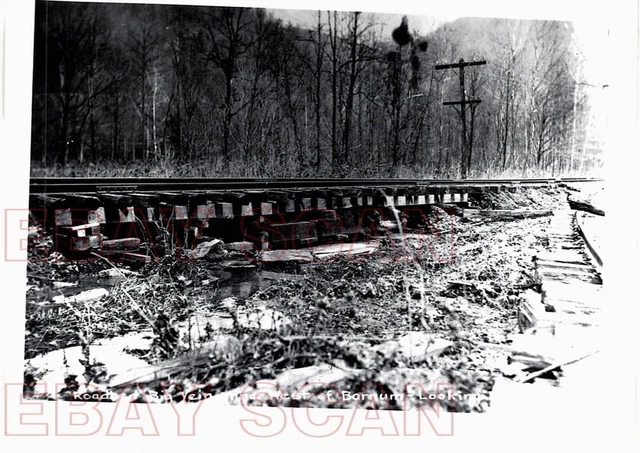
{"type": "Point", "coordinates": [211, 250]}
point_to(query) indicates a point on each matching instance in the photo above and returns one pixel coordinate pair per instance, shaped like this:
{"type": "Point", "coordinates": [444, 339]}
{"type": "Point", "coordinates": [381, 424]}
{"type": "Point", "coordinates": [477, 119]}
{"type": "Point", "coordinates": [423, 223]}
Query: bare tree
{"type": "Point", "coordinates": [225, 39]}
{"type": "Point", "coordinates": [143, 42]}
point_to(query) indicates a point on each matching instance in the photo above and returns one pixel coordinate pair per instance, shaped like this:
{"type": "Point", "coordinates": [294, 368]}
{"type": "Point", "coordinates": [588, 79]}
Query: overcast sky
{"type": "Point", "coordinates": [388, 21]}
{"type": "Point", "coordinates": [590, 32]}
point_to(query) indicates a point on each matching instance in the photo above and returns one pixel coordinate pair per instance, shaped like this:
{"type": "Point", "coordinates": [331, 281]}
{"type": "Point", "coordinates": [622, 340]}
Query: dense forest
{"type": "Point", "coordinates": [144, 90]}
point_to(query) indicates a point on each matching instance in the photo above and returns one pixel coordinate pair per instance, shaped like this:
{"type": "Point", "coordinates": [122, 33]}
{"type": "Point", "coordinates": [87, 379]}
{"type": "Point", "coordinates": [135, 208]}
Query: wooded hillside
{"type": "Point", "coordinates": [141, 90]}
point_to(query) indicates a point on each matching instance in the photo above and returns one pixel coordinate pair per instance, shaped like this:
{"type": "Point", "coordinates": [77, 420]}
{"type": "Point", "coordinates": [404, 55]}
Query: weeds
{"type": "Point", "coordinates": [340, 313]}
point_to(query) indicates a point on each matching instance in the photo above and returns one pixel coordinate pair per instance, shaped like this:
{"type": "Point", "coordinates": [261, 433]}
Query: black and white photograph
{"type": "Point", "coordinates": [347, 210]}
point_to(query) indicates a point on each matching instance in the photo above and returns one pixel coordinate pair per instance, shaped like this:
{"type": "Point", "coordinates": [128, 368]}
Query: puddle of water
{"type": "Point", "coordinates": [241, 286]}
{"type": "Point", "coordinates": [240, 283]}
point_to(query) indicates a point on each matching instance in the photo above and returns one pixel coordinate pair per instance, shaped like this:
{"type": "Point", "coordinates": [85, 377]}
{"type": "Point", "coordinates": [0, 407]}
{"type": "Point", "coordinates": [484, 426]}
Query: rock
{"type": "Point", "coordinates": [210, 250]}
{"type": "Point", "coordinates": [369, 290]}
{"type": "Point", "coordinates": [416, 346]}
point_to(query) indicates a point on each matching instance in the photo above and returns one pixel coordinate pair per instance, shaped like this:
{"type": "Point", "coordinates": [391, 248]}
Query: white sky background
{"type": "Point", "coordinates": [619, 69]}
{"type": "Point", "coordinates": [388, 21]}
{"type": "Point", "coordinates": [591, 24]}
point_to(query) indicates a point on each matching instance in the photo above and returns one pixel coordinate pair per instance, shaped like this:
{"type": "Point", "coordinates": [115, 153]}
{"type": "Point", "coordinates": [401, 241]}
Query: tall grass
{"type": "Point", "coordinates": [272, 166]}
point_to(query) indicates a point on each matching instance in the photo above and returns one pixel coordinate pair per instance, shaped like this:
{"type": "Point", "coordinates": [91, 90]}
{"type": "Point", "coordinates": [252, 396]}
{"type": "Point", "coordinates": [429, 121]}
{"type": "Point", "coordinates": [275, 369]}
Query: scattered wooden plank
{"type": "Point", "coordinates": [562, 256]}
{"type": "Point", "coordinates": [120, 244]}
{"type": "Point", "coordinates": [329, 251]}
{"type": "Point", "coordinates": [243, 246]}
{"type": "Point", "coordinates": [589, 276]}
{"type": "Point", "coordinates": [506, 214]}
{"type": "Point", "coordinates": [575, 292]}
{"type": "Point", "coordinates": [568, 307]}
{"type": "Point", "coordinates": [532, 314]}
{"type": "Point", "coordinates": [80, 230]}
{"type": "Point", "coordinates": [284, 256]}
{"type": "Point", "coordinates": [563, 265]}
{"type": "Point", "coordinates": [553, 366]}
{"type": "Point", "coordinates": [135, 258]}
{"type": "Point", "coordinates": [584, 205]}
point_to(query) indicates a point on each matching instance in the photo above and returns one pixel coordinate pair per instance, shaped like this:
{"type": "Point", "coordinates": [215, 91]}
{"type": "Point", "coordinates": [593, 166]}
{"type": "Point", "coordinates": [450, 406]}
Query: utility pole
{"type": "Point", "coordinates": [464, 164]}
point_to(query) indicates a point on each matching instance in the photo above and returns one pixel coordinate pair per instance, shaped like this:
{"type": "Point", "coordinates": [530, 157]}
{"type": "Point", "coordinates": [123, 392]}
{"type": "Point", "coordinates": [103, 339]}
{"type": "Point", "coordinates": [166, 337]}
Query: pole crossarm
{"type": "Point", "coordinates": [465, 158]}
{"type": "Point", "coordinates": [470, 101]}
{"type": "Point", "coordinates": [462, 63]}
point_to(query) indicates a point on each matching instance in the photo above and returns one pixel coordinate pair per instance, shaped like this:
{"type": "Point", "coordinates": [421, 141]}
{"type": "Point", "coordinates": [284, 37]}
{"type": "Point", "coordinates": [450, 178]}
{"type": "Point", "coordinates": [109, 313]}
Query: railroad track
{"type": "Point", "coordinates": [97, 185]}
{"type": "Point", "coordinates": [82, 210]}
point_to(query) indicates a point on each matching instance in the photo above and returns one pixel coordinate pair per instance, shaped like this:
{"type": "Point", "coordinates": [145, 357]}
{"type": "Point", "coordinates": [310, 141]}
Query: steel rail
{"type": "Point", "coordinates": [96, 185]}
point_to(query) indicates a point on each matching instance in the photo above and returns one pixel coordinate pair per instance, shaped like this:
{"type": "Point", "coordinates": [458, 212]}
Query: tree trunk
{"type": "Point", "coordinates": [397, 91]}
{"type": "Point", "coordinates": [573, 130]}
{"type": "Point", "coordinates": [143, 114]}
{"type": "Point", "coordinates": [506, 125]}
{"type": "Point", "coordinates": [155, 134]}
{"type": "Point", "coordinates": [318, 93]}
{"type": "Point", "coordinates": [226, 133]}
{"type": "Point", "coordinates": [350, 90]}
{"type": "Point", "coordinates": [333, 33]}
{"type": "Point", "coordinates": [471, 136]}
{"type": "Point", "coordinates": [440, 129]}
{"type": "Point", "coordinates": [116, 121]}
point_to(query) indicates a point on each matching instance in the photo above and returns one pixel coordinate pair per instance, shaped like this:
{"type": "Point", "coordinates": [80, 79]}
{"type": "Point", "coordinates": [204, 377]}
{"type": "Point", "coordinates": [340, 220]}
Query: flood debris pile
{"type": "Point", "coordinates": [524, 198]}
{"type": "Point", "coordinates": [432, 306]}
